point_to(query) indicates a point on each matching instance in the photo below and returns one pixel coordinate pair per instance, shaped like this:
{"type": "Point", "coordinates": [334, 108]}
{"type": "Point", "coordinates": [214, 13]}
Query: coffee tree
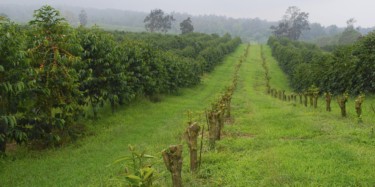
{"type": "Point", "coordinates": [364, 51]}
{"type": "Point", "coordinates": [119, 90]}
{"type": "Point", "coordinates": [144, 67]}
{"type": "Point", "coordinates": [54, 51]}
{"type": "Point", "coordinates": [14, 81]}
{"type": "Point", "coordinates": [96, 71]}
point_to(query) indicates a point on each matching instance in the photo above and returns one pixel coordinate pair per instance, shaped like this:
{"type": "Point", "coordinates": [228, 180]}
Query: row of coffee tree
{"type": "Point", "coordinates": [216, 116]}
{"type": "Point", "coordinates": [311, 95]}
{"type": "Point", "coordinates": [349, 68]}
{"type": "Point", "coordinates": [208, 49]}
{"type": "Point", "coordinates": [51, 72]}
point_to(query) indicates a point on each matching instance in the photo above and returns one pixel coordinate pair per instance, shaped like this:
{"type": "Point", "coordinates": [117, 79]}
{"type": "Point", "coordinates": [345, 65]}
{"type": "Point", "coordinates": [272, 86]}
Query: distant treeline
{"type": "Point", "coordinates": [250, 30]}
{"type": "Point", "coordinates": [348, 68]}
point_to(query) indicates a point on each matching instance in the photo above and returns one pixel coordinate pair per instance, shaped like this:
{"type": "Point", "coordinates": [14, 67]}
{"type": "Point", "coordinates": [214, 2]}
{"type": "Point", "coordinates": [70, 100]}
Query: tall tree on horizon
{"type": "Point", "coordinates": [186, 26]}
{"type": "Point", "coordinates": [156, 21]}
{"type": "Point", "coordinates": [350, 35]}
{"type": "Point", "coordinates": [83, 18]}
{"type": "Point", "coordinates": [293, 23]}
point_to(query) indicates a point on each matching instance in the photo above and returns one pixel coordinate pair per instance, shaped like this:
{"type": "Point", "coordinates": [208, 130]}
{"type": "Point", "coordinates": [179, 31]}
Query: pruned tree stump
{"type": "Point", "coordinates": [328, 101]}
{"type": "Point", "coordinates": [192, 133]}
{"type": "Point", "coordinates": [173, 161]}
{"type": "Point", "coordinates": [358, 106]}
{"type": "Point", "coordinates": [341, 100]}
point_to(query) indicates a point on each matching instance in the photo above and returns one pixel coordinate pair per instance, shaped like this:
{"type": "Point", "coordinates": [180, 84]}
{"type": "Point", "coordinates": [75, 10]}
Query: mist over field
{"type": "Point", "coordinates": [332, 12]}
{"type": "Point", "coordinates": [249, 20]}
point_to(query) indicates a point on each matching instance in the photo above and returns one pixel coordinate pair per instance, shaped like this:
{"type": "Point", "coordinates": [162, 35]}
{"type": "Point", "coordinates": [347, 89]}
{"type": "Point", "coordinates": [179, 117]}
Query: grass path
{"type": "Point", "coordinates": [149, 126]}
{"type": "Point", "coordinates": [276, 143]}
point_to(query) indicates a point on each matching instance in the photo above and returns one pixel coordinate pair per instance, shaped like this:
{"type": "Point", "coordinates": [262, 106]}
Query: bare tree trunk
{"type": "Point", "coordinates": [358, 109]}
{"type": "Point", "coordinates": [358, 106]}
{"type": "Point", "coordinates": [192, 133]}
{"type": "Point", "coordinates": [328, 101]}
{"type": "Point", "coordinates": [220, 124]}
{"type": "Point", "coordinates": [343, 109]}
{"type": "Point", "coordinates": [227, 101]}
{"type": "Point", "coordinates": [173, 161]}
{"type": "Point", "coordinates": [212, 129]}
{"type": "Point", "coordinates": [315, 101]}
{"type": "Point", "coordinates": [201, 148]}
{"type": "Point", "coordinates": [306, 98]}
{"type": "Point", "coordinates": [341, 100]}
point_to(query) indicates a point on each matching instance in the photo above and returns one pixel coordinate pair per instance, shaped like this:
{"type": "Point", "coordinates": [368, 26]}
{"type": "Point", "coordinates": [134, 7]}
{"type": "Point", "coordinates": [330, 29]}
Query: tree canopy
{"type": "Point", "coordinates": [349, 68]}
{"type": "Point", "coordinates": [350, 34]}
{"type": "Point", "coordinates": [292, 25]}
{"type": "Point", "coordinates": [186, 26]}
{"type": "Point", "coordinates": [156, 21]}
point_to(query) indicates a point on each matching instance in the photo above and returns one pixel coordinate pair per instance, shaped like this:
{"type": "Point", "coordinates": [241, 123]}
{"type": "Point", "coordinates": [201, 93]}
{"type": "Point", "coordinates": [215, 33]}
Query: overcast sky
{"type": "Point", "coordinates": [326, 12]}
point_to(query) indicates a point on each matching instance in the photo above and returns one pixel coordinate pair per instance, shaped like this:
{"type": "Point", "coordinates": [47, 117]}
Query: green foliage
{"type": "Point", "coordinates": [349, 36]}
{"type": "Point", "coordinates": [186, 26]}
{"type": "Point", "coordinates": [101, 74]}
{"type": "Point", "coordinates": [141, 173]}
{"type": "Point", "coordinates": [145, 67]}
{"type": "Point", "coordinates": [14, 81]}
{"type": "Point", "coordinates": [306, 64]}
{"type": "Point", "coordinates": [54, 52]}
{"type": "Point", "coordinates": [184, 58]}
{"type": "Point", "coordinates": [50, 72]}
{"type": "Point", "coordinates": [364, 50]}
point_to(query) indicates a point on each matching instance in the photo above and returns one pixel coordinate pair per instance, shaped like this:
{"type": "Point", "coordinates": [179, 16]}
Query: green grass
{"type": "Point", "coordinates": [269, 143]}
{"type": "Point", "coordinates": [278, 79]}
{"type": "Point", "coordinates": [276, 143]}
